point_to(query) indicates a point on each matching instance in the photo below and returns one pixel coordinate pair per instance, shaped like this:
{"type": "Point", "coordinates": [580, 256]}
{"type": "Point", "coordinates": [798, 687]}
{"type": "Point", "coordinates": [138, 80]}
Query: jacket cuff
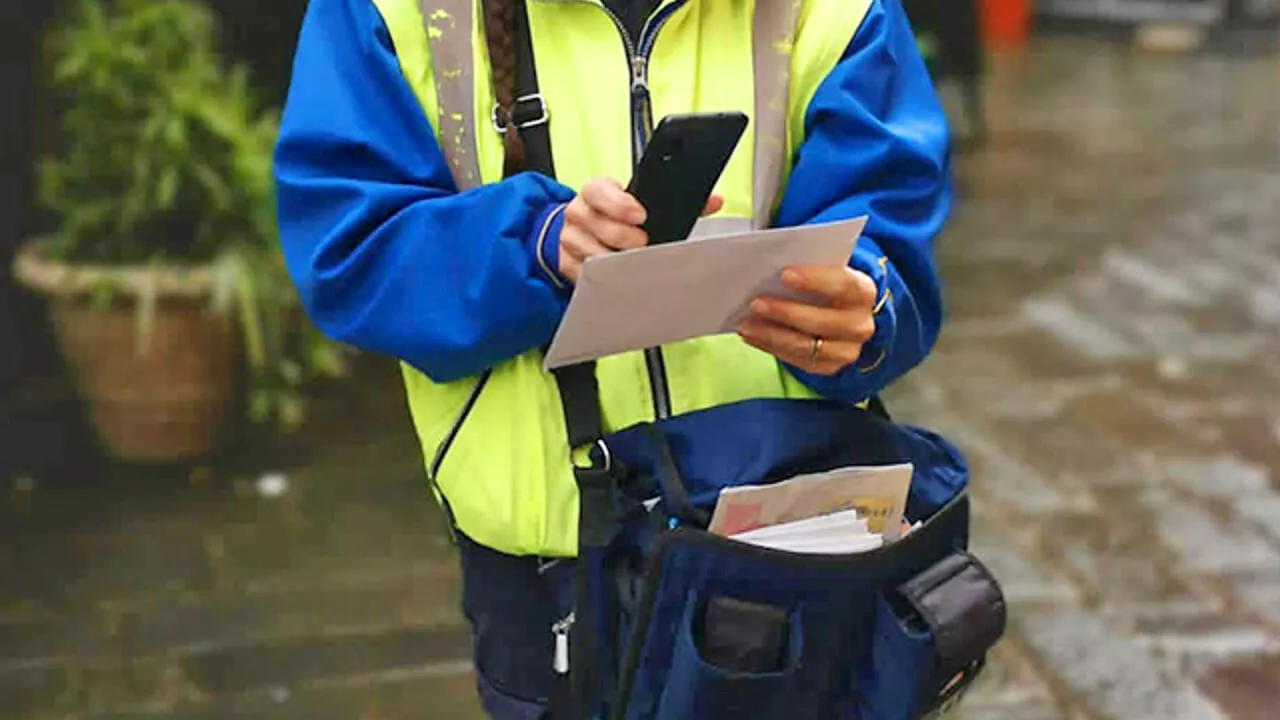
{"type": "Point", "coordinates": [873, 263]}
{"type": "Point", "coordinates": [544, 246]}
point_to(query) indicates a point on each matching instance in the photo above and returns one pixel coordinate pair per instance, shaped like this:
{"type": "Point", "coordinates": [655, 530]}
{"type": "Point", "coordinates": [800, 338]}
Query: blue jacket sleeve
{"type": "Point", "coordinates": [876, 144]}
{"type": "Point", "coordinates": [386, 254]}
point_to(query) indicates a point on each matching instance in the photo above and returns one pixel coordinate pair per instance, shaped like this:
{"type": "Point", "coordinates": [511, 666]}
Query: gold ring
{"type": "Point", "coordinates": [814, 348]}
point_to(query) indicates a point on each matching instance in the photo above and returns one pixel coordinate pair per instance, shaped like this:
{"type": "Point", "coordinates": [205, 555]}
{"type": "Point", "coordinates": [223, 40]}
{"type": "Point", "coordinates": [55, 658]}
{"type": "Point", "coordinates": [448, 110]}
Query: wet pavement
{"type": "Point", "coordinates": [1113, 275]}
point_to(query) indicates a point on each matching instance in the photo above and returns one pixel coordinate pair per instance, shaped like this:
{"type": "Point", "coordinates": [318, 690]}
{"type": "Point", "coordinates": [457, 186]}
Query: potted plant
{"type": "Point", "coordinates": [162, 269]}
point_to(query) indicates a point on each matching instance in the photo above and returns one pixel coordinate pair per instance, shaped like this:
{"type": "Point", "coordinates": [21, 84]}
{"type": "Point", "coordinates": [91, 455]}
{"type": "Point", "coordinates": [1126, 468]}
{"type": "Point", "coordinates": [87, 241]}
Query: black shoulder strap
{"type": "Point", "coordinates": [530, 114]}
{"type": "Point", "coordinates": [579, 393]}
{"type": "Point", "coordinates": [580, 398]}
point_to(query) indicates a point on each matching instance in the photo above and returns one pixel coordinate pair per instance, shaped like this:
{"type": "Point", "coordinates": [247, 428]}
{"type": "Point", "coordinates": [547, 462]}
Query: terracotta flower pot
{"type": "Point", "coordinates": [162, 397]}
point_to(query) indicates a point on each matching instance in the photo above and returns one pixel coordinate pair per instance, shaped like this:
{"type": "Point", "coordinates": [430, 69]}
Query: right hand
{"type": "Point", "coordinates": [602, 219]}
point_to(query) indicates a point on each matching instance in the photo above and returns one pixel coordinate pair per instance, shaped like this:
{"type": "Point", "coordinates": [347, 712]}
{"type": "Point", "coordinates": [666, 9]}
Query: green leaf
{"type": "Point", "coordinates": [213, 184]}
{"type": "Point", "coordinates": [259, 405]}
{"type": "Point", "coordinates": [175, 134]}
{"type": "Point", "coordinates": [70, 67]}
{"type": "Point", "coordinates": [145, 316]}
{"type": "Point", "coordinates": [226, 270]}
{"type": "Point", "coordinates": [291, 372]}
{"type": "Point", "coordinates": [250, 320]}
{"type": "Point", "coordinates": [291, 412]}
{"type": "Point", "coordinates": [928, 46]}
{"type": "Point", "coordinates": [326, 358]}
{"type": "Point", "coordinates": [167, 189]}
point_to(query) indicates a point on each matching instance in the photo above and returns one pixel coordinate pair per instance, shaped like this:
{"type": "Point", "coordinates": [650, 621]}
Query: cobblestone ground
{"type": "Point", "coordinates": [1114, 286]}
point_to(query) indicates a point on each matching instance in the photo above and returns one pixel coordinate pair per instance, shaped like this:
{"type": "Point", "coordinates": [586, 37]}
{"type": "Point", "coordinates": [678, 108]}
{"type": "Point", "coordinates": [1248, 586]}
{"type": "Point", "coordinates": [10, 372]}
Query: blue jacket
{"type": "Point", "coordinates": [362, 185]}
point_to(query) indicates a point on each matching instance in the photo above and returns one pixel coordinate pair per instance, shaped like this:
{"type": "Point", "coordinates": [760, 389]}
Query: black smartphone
{"type": "Point", "coordinates": [680, 168]}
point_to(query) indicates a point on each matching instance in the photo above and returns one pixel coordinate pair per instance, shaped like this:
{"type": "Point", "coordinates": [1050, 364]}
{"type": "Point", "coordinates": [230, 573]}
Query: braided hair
{"type": "Point", "coordinates": [499, 30]}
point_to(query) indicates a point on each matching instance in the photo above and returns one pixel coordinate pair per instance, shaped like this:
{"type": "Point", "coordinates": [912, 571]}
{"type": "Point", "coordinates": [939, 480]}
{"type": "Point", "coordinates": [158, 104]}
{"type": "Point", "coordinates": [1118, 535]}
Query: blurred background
{"type": "Point", "coordinates": [238, 528]}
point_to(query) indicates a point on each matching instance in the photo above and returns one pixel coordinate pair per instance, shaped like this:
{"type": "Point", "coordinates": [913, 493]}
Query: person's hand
{"type": "Point", "coordinates": [605, 218]}
{"type": "Point", "coordinates": [822, 338]}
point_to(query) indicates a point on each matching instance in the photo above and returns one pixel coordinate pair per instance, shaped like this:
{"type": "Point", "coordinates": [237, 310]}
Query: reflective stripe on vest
{"type": "Point", "coordinates": [451, 55]}
{"type": "Point", "coordinates": [507, 475]}
{"type": "Point", "coordinates": [773, 30]}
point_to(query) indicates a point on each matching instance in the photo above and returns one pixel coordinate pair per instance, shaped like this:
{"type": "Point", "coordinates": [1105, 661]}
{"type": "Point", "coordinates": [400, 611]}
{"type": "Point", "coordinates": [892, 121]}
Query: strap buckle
{"type": "Point", "coordinates": [605, 454]}
{"type": "Point", "coordinates": [598, 497]}
{"type": "Point", "coordinates": [528, 111]}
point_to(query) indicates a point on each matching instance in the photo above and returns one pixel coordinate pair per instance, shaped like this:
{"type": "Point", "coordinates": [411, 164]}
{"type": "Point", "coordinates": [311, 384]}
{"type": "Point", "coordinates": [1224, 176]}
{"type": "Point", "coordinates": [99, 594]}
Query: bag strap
{"type": "Point", "coordinates": [580, 399]}
{"type": "Point", "coordinates": [529, 115]}
{"type": "Point", "coordinates": [579, 392]}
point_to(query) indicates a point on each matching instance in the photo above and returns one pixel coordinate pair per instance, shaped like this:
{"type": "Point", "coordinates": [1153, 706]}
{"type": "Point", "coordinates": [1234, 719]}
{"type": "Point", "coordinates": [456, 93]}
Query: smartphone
{"type": "Point", "coordinates": [680, 168]}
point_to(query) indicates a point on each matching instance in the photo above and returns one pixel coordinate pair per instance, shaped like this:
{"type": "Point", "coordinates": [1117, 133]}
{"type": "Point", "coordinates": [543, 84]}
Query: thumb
{"type": "Point", "coordinates": [713, 206]}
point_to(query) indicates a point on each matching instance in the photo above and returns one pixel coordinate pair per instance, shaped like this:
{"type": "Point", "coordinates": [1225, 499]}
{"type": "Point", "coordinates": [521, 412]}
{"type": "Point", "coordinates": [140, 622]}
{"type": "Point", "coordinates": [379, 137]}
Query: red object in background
{"type": "Point", "coordinates": [1005, 23]}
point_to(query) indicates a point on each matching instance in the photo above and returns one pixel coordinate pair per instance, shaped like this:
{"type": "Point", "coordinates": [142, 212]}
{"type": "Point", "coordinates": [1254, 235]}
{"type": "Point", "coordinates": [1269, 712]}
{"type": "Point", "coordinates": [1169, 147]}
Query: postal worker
{"type": "Point", "coordinates": [407, 236]}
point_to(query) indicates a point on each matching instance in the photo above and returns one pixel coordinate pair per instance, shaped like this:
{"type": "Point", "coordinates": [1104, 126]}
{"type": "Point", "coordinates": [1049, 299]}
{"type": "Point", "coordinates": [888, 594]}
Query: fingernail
{"type": "Point", "coordinates": [759, 307]}
{"type": "Point", "coordinates": [791, 277]}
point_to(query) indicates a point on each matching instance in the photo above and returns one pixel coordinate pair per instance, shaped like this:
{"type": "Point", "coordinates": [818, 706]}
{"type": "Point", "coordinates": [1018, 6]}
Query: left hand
{"type": "Point", "coordinates": [836, 327]}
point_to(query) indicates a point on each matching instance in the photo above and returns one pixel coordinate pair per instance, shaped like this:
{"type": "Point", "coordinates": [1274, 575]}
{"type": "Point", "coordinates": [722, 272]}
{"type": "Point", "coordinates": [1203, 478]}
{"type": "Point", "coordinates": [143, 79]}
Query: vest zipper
{"type": "Point", "coordinates": [641, 129]}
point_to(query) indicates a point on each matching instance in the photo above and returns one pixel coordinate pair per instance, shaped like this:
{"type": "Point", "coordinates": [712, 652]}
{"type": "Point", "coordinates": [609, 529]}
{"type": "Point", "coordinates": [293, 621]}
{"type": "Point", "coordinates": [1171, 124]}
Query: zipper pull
{"type": "Point", "coordinates": [639, 76]}
{"type": "Point", "coordinates": [561, 631]}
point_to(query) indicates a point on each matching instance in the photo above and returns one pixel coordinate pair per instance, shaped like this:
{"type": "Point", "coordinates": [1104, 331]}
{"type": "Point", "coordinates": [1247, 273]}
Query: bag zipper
{"type": "Point", "coordinates": [560, 631]}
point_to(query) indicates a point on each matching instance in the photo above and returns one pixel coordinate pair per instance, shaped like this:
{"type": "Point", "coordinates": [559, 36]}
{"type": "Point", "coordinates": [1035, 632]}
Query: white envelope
{"type": "Point", "coordinates": [664, 294]}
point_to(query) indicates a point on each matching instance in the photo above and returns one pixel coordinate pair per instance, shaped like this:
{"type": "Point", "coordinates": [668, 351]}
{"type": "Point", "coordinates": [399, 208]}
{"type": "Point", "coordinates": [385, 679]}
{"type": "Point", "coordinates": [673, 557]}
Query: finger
{"type": "Point", "coordinates": [607, 197]}
{"type": "Point", "coordinates": [817, 366]}
{"type": "Point", "coordinates": [796, 348]}
{"type": "Point", "coordinates": [613, 234]}
{"type": "Point", "coordinates": [579, 244]}
{"type": "Point", "coordinates": [843, 286]}
{"type": "Point", "coordinates": [834, 323]}
{"type": "Point", "coordinates": [570, 267]}
{"type": "Point", "coordinates": [715, 204]}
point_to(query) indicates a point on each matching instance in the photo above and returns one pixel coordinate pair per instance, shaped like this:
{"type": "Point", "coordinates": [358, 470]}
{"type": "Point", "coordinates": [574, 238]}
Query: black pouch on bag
{"type": "Point", "coordinates": [744, 637]}
{"type": "Point", "coordinates": [963, 608]}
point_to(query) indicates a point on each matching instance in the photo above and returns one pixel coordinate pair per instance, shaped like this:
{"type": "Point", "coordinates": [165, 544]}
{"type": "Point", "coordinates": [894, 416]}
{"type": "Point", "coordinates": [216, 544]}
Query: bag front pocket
{"type": "Point", "coordinates": [697, 689]}
{"type": "Point", "coordinates": [892, 684]}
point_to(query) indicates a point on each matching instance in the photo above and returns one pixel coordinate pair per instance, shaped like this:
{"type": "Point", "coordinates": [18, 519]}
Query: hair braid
{"type": "Point", "coordinates": [499, 30]}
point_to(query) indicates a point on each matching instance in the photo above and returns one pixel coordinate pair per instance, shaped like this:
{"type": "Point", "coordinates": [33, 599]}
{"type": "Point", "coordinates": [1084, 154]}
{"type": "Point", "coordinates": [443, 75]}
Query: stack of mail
{"type": "Point", "coordinates": [837, 533]}
{"type": "Point", "coordinates": [846, 510]}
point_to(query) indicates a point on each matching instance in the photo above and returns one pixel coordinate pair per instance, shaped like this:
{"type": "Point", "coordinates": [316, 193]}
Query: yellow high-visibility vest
{"type": "Point", "coordinates": [507, 476]}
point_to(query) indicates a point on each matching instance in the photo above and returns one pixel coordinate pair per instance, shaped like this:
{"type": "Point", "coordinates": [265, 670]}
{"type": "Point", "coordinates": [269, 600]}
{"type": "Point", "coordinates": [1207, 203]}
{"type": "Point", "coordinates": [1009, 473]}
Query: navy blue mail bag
{"type": "Point", "coordinates": [894, 633]}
